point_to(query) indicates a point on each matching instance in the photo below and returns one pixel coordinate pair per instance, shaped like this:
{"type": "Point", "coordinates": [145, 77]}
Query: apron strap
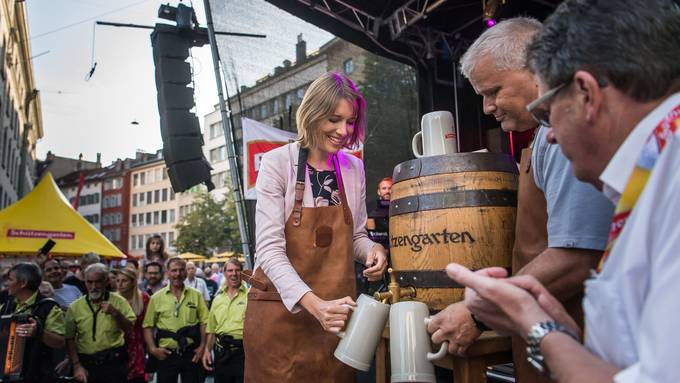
{"type": "Point", "coordinates": [341, 188]}
{"type": "Point", "coordinates": [300, 185]}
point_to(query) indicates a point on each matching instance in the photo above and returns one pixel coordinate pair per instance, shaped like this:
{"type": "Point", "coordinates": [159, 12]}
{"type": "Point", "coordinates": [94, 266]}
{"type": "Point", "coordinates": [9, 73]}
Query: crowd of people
{"type": "Point", "coordinates": [127, 326]}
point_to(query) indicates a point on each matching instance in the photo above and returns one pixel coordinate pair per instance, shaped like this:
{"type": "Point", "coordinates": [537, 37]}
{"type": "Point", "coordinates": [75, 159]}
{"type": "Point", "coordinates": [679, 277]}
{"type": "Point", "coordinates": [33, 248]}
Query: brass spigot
{"type": "Point", "coordinates": [395, 292]}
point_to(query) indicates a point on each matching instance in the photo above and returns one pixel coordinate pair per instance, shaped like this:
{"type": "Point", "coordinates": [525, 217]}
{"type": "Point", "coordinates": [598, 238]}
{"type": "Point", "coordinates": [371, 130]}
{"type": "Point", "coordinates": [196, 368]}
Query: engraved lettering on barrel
{"type": "Point", "coordinates": [417, 242]}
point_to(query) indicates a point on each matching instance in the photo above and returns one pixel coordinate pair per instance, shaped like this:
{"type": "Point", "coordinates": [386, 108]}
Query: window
{"type": "Point", "coordinates": [140, 220]}
{"type": "Point", "coordinates": [216, 130]}
{"type": "Point", "coordinates": [165, 174]}
{"type": "Point", "coordinates": [133, 242]}
{"type": "Point", "coordinates": [264, 110]}
{"type": "Point", "coordinates": [149, 200]}
{"type": "Point", "coordinates": [288, 101]}
{"type": "Point", "coordinates": [172, 195]}
{"type": "Point", "coordinates": [218, 154]}
{"type": "Point", "coordinates": [164, 195]}
{"type": "Point", "coordinates": [117, 183]}
{"type": "Point", "coordinates": [171, 214]}
{"type": "Point", "coordinates": [157, 196]}
{"type": "Point", "coordinates": [155, 217]}
{"type": "Point", "coordinates": [141, 199]}
{"type": "Point", "coordinates": [134, 199]}
{"type": "Point", "coordinates": [220, 179]}
{"type": "Point", "coordinates": [148, 218]}
{"type": "Point", "coordinates": [142, 178]}
{"type": "Point", "coordinates": [276, 106]}
{"type": "Point", "coordinates": [348, 66]}
{"type": "Point", "coordinates": [135, 179]}
{"type": "Point", "coordinates": [164, 216]}
{"type": "Point", "coordinates": [300, 94]}
{"type": "Point", "coordinates": [171, 238]}
{"type": "Point", "coordinates": [140, 242]}
{"type": "Point", "coordinates": [134, 220]}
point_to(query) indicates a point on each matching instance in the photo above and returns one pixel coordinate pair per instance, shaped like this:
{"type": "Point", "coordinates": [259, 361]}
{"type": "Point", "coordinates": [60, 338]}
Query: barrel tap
{"type": "Point", "coordinates": [395, 292]}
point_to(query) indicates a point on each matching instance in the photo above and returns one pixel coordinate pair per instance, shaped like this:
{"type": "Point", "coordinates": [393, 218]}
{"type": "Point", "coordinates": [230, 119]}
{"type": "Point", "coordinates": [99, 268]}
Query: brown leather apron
{"type": "Point", "coordinates": [531, 238]}
{"type": "Point", "coordinates": [284, 347]}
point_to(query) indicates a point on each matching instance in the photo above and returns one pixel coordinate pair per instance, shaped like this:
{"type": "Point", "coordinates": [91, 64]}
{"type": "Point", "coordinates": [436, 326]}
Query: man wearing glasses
{"type": "Point", "coordinates": [95, 330]}
{"type": "Point", "coordinates": [562, 223]}
{"type": "Point", "coordinates": [178, 314]}
{"type": "Point", "coordinates": [609, 80]}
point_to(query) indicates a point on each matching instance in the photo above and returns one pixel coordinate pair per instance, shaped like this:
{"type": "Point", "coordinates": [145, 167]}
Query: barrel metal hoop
{"type": "Point", "coordinates": [453, 199]}
{"type": "Point", "coordinates": [454, 163]}
{"type": "Point", "coordinates": [428, 279]}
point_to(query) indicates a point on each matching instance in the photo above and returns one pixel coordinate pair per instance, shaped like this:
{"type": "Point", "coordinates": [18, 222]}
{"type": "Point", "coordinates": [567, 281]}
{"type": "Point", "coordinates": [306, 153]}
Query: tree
{"type": "Point", "coordinates": [392, 117]}
{"type": "Point", "coordinates": [210, 225]}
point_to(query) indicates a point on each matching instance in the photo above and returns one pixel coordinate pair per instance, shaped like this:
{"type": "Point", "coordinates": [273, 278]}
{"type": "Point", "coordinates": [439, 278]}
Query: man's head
{"type": "Point", "coordinates": [53, 272]}
{"type": "Point", "coordinates": [385, 189]}
{"type": "Point", "coordinates": [96, 280]}
{"type": "Point", "coordinates": [207, 271]}
{"type": "Point", "coordinates": [232, 271]}
{"type": "Point", "coordinates": [177, 271]}
{"type": "Point", "coordinates": [496, 66]}
{"type": "Point", "coordinates": [153, 273]}
{"type": "Point", "coordinates": [608, 64]}
{"type": "Point", "coordinates": [23, 278]}
{"type": "Point", "coordinates": [215, 268]}
{"type": "Point", "coordinates": [88, 259]}
{"type": "Point", "coordinates": [191, 270]}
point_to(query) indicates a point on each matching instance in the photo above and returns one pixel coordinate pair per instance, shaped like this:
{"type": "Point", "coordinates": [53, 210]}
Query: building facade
{"type": "Point", "coordinates": [20, 114]}
{"type": "Point", "coordinates": [89, 202]}
{"type": "Point", "coordinates": [116, 204]}
{"type": "Point", "coordinates": [154, 207]}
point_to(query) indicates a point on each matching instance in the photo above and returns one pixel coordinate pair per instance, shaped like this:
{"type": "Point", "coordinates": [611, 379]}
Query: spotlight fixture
{"type": "Point", "coordinates": [490, 11]}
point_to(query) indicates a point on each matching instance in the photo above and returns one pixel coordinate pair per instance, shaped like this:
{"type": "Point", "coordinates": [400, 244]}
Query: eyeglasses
{"type": "Point", "coordinates": [542, 115]}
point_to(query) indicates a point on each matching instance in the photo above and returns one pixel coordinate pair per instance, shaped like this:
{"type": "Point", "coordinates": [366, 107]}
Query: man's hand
{"type": "Point", "coordinates": [28, 330]}
{"type": "Point", "coordinates": [516, 307]}
{"type": "Point", "coordinates": [107, 308]}
{"type": "Point", "coordinates": [198, 353]}
{"type": "Point", "coordinates": [455, 325]}
{"type": "Point", "coordinates": [207, 360]}
{"type": "Point", "coordinates": [80, 373]}
{"type": "Point", "coordinates": [376, 263]}
{"type": "Point", "coordinates": [160, 353]}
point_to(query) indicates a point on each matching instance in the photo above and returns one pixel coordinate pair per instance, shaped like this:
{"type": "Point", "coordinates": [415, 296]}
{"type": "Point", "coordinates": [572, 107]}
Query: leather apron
{"type": "Point", "coordinates": [284, 347]}
{"type": "Point", "coordinates": [531, 239]}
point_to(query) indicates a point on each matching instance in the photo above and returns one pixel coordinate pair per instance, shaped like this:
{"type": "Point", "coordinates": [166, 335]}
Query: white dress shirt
{"type": "Point", "coordinates": [631, 307]}
{"type": "Point", "coordinates": [198, 284]}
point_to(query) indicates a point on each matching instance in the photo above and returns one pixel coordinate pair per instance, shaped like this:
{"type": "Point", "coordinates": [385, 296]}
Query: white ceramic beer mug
{"type": "Point", "coordinates": [362, 334]}
{"type": "Point", "coordinates": [437, 134]}
{"type": "Point", "coordinates": [410, 347]}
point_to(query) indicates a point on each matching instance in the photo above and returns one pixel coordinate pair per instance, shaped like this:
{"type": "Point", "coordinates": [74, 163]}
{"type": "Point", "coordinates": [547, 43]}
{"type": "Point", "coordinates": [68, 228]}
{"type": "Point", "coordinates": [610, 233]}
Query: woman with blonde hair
{"type": "Point", "coordinates": [138, 300]}
{"type": "Point", "coordinates": [310, 220]}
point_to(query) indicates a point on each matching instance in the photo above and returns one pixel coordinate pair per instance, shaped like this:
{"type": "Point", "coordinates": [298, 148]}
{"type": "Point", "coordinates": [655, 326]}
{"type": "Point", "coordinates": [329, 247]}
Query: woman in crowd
{"type": "Point", "coordinates": [155, 250]}
{"type": "Point", "coordinates": [310, 220]}
{"type": "Point", "coordinates": [127, 287]}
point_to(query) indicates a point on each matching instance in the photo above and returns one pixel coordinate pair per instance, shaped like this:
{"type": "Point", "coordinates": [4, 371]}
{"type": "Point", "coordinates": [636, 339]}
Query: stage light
{"type": "Point", "coordinates": [490, 23]}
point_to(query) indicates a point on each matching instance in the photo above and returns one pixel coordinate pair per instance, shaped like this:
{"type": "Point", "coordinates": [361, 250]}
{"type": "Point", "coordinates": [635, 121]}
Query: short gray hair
{"type": "Point", "coordinates": [89, 258]}
{"type": "Point", "coordinates": [633, 44]}
{"type": "Point", "coordinates": [97, 268]}
{"type": "Point", "coordinates": [506, 42]}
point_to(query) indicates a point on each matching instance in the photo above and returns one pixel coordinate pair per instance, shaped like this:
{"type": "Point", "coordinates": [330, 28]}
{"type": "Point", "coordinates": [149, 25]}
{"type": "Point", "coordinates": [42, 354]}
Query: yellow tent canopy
{"type": "Point", "coordinates": [191, 257]}
{"type": "Point", "coordinates": [45, 213]}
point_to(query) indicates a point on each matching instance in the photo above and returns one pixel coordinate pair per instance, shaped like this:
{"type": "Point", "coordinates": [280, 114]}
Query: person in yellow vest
{"type": "Point", "coordinates": [178, 314]}
{"type": "Point", "coordinates": [95, 330]}
{"type": "Point", "coordinates": [225, 327]}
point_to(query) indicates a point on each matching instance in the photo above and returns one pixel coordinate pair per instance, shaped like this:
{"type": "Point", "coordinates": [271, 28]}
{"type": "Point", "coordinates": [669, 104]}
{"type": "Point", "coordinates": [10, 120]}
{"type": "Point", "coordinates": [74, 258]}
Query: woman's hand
{"type": "Point", "coordinates": [376, 262]}
{"type": "Point", "coordinates": [332, 315]}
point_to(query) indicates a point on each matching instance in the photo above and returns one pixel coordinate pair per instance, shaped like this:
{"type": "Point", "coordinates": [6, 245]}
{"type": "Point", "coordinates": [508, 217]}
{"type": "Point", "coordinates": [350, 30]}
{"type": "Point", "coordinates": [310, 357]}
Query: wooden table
{"type": "Point", "coordinates": [490, 349]}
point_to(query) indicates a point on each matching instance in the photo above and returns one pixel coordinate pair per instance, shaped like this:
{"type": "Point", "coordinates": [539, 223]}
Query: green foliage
{"type": "Point", "coordinates": [392, 118]}
{"type": "Point", "coordinates": [210, 226]}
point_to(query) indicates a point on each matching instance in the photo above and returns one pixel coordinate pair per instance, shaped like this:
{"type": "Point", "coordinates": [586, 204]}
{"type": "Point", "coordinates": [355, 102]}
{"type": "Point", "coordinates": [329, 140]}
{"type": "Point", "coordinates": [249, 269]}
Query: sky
{"type": "Point", "coordinates": [95, 116]}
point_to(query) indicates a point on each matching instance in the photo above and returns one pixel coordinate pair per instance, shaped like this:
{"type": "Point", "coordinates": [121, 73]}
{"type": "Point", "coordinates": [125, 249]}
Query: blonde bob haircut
{"type": "Point", "coordinates": [320, 101]}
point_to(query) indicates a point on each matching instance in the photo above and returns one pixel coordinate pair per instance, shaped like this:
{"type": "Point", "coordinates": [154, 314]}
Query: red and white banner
{"type": "Point", "coordinates": [258, 139]}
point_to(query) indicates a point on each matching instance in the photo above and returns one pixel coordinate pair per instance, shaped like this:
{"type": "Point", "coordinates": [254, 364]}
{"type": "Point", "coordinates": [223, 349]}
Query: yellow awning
{"type": "Point", "coordinates": [191, 257]}
{"type": "Point", "coordinates": [45, 213]}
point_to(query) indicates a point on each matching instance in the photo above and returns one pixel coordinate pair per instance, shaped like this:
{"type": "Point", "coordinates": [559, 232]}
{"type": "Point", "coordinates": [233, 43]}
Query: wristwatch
{"type": "Point", "coordinates": [534, 338]}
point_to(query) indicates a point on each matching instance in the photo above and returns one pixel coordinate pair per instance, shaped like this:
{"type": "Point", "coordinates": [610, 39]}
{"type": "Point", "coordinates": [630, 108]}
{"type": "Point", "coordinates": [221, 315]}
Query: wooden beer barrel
{"type": "Point", "coordinates": [454, 208]}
